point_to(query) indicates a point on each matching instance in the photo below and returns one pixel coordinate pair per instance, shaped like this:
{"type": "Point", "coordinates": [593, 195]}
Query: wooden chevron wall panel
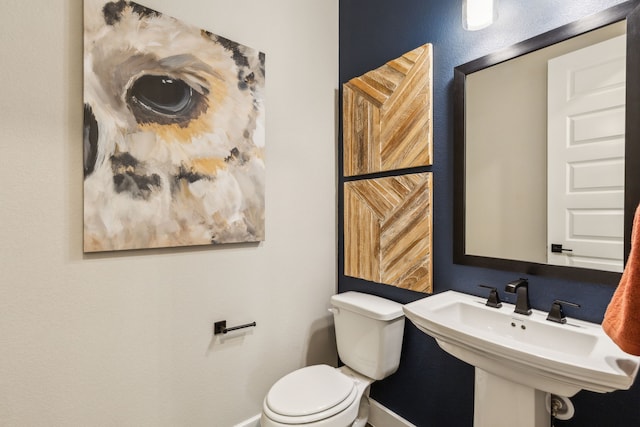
{"type": "Point", "coordinates": [387, 230]}
{"type": "Point", "coordinates": [387, 116]}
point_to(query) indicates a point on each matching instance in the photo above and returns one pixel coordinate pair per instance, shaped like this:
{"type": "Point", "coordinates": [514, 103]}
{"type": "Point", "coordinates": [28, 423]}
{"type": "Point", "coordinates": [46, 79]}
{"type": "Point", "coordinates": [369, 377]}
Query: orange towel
{"type": "Point", "coordinates": [622, 318]}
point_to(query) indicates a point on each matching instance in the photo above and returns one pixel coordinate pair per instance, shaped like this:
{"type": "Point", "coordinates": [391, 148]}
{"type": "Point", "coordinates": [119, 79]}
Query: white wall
{"type": "Point", "coordinates": [125, 339]}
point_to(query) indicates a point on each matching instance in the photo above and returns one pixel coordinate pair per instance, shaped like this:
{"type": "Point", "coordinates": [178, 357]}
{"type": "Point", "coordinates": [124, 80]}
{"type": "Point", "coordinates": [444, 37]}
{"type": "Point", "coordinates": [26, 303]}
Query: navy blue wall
{"type": "Point", "coordinates": [432, 388]}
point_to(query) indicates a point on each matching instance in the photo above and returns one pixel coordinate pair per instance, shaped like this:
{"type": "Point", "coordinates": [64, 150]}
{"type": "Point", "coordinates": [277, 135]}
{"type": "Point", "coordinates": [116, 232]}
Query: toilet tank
{"type": "Point", "coordinates": [369, 332]}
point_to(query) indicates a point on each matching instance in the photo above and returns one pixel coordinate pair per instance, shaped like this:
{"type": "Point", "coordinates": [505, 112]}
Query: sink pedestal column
{"type": "Point", "coordinates": [502, 403]}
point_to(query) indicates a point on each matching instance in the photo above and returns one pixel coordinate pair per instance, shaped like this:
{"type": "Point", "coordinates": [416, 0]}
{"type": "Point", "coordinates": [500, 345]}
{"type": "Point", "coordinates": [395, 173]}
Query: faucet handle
{"type": "Point", "coordinates": [494, 298]}
{"type": "Point", "coordinates": [556, 314]}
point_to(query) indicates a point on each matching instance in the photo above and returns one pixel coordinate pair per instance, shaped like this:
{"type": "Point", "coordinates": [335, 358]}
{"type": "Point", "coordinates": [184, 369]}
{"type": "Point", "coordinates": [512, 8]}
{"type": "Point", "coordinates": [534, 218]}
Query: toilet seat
{"type": "Point", "coordinates": [310, 394]}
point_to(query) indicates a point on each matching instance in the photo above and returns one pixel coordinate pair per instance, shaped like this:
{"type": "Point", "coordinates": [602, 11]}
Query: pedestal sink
{"type": "Point", "coordinates": [518, 359]}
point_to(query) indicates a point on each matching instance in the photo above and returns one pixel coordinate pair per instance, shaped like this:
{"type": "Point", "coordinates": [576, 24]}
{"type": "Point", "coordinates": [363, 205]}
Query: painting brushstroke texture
{"type": "Point", "coordinates": [173, 132]}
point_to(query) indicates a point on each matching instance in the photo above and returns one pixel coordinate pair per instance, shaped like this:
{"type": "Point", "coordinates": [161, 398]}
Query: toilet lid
{"type": "Point", "coordinates": [318, 389]}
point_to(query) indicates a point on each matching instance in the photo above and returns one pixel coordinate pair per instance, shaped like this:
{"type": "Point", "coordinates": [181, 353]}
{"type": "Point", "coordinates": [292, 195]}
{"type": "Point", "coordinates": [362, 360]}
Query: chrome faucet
{"type": "Point", "coordinates": [520, 287]}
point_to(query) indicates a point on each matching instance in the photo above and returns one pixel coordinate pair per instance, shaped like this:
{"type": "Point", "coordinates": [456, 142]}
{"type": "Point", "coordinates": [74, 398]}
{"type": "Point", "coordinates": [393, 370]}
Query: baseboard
{"type": "Point", "coordinates": [380, 416]}
{"type": "Point", "coordinates": [251, 422]}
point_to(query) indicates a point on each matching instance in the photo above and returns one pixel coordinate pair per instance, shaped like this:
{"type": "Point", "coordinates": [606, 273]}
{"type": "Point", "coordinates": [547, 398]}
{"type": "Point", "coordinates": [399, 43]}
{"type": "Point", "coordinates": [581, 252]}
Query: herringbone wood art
{"type": "Point", "coordinates": [387, 230]}
{"type": "Point", "coordinates": [387, 116]}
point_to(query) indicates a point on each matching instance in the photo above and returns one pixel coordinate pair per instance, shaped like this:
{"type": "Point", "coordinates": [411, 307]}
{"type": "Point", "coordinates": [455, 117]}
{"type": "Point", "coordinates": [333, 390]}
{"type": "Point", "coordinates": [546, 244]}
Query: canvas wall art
{"type": "Point", "coordinates": [173, 132]}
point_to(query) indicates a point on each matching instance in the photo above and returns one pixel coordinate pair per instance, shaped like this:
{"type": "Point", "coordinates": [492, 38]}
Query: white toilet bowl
{"type": "Point", "coordinates": [318, 396]}
{"type": "Point", "coordinates": [369, 339]}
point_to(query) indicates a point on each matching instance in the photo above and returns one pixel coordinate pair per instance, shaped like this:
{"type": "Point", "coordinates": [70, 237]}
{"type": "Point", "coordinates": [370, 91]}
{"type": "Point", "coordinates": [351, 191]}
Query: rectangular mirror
{"type": "Point", "coordinates": [541, 149]}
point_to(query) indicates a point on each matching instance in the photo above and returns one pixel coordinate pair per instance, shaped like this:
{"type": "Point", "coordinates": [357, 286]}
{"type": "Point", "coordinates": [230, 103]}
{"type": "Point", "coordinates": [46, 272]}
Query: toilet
{"type": "Point", "coordinates": [369, 332]}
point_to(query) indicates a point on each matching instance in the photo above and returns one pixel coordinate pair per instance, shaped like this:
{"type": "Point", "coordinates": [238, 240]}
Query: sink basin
{"type": "Point", "coordinates": [529, 350]}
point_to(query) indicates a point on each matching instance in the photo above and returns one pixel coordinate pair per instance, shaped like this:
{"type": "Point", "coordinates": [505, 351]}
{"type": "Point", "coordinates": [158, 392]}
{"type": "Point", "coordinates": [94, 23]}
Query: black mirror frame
{"type": "Point", "coordinates": [630, 11]}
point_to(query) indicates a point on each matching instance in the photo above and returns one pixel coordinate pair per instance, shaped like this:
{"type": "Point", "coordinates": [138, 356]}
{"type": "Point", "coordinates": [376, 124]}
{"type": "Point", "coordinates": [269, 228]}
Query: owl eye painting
{"type": "Point", "coordinates": [173, 132]}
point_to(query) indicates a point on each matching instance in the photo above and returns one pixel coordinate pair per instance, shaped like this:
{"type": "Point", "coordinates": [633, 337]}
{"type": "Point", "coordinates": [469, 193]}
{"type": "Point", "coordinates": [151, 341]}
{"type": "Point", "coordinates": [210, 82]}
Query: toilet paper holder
{"type": "Point", "coordinates": [221, 327]}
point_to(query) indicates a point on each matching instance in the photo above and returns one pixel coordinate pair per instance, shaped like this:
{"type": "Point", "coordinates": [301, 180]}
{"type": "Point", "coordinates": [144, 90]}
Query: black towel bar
{"type": "Point", "coordinates": [221, 327]}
